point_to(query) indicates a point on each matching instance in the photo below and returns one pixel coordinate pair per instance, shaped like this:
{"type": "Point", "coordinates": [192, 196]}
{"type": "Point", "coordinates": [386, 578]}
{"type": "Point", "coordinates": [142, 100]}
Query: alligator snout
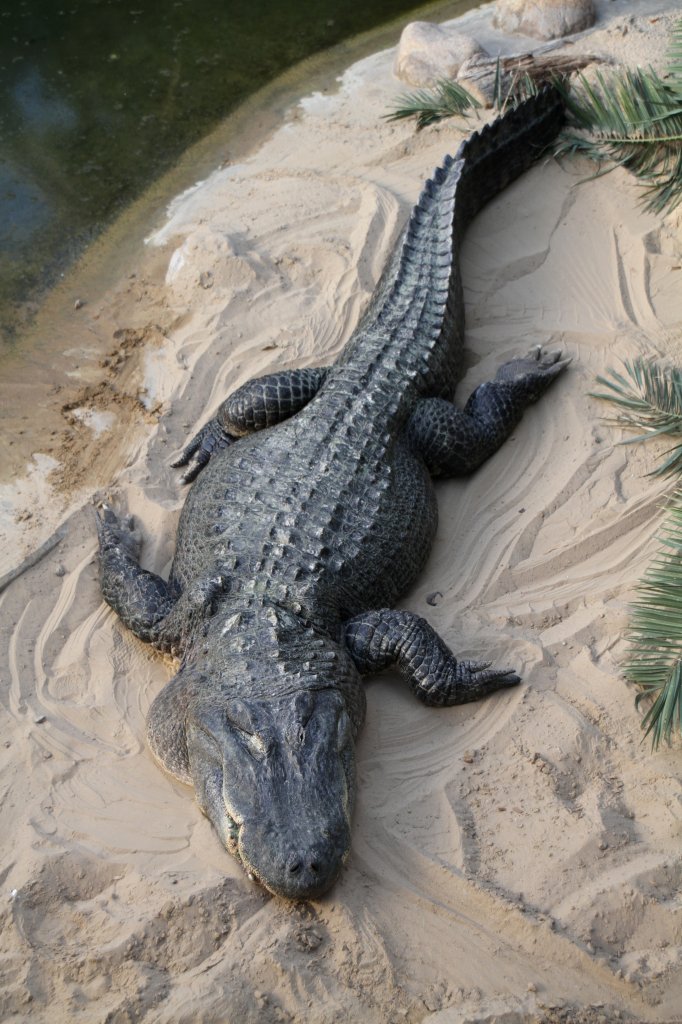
{"type": "Point", "coordinates": [300, 871]}
{"type": "Point", "coordinates": [312, 870]}
{"type": "Point", "coordinates": [298, 864]}
{"type": "Point", "coordinates": [306, 877]}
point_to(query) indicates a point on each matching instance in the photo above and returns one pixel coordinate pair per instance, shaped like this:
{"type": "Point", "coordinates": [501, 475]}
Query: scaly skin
{"type": "Point", "coordinates": [297, 540]}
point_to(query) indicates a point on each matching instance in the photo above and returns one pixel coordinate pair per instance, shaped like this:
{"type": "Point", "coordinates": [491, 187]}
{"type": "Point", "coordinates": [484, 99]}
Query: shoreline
{"type": "Point", "coordinates": [517, 859]}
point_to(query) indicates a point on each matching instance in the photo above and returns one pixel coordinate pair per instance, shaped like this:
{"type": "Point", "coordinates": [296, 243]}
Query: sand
{"type": "Point", "coordinates": [515, 860]}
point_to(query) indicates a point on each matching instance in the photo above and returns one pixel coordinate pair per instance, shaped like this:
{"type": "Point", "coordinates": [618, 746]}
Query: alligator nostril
{"type": "Point", "coordinates": [294, 867]}
{"type": "Point", "coordinates": [314, 866]}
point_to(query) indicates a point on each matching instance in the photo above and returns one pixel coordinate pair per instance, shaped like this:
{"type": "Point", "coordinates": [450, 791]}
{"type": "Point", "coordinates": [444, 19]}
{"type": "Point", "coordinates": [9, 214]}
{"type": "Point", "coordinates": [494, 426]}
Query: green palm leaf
{"type": "Point", "coordinates": [649, 399]}
{"type": "Point", "coordinates": [432, 105]}
{"type": "Point", "coordinates": [634, 120]}
{"type": "Point", "coordinates": [648, 396]}
{"type": "Point", "coordinates": [654, 659]}
{"type": "Point", "coordinates": [630, 119]}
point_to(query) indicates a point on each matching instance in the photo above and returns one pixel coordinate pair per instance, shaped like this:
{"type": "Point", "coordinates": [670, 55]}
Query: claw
{"type": "Point", "coordinates": [507, 678]}
{"type": "Point", "coordinates": [116, 531]}
{"type": "Point", "coordinates": [202, 459]}
{"type": "Point", "coordinates": [499, 677]}
{"type": "Point", "coordinates": [188, 452]}
{"type": "Point", "coordinates": [477, 666]}
{"type": "Point", "coordinates": [554, 361]}
{"type": "Point", "coordinates": [537, 354]}
{"type": "Point", "coordinates": [538, 366]}
{"type": "Point", "coordinates": [209, 440]}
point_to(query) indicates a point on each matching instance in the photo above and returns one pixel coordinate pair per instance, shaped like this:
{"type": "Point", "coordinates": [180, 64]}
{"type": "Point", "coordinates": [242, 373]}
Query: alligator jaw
{"type": "Point", "coordinates": [306, 875]}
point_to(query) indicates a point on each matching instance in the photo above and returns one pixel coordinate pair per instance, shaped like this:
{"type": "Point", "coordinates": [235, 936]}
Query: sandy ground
{"type": "Point", "coordinates": [513, 861]}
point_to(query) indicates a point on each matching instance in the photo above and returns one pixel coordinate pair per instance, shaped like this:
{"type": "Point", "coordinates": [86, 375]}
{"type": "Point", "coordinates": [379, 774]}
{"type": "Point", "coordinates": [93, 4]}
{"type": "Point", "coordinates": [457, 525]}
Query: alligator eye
{"type": "Point", "coordinates": [255, 744]}
{"type": "Point", "coordinates": [304, 705]}
{"type": "Point", "coordinates": [242, 715]}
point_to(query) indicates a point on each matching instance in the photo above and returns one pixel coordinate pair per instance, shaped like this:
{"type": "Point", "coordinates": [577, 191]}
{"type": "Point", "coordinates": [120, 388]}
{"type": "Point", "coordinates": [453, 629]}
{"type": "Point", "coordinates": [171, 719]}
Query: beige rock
{"type": "Point", "coordinates": [544, 19]}
{"type": "Point", "coordinates": [427, 53]}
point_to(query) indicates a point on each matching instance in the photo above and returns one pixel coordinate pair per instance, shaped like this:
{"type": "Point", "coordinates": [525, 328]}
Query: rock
{"type": "Point", "coordinates": [427, 53]}
{"type": "Point", "coordinates": [544, 19]}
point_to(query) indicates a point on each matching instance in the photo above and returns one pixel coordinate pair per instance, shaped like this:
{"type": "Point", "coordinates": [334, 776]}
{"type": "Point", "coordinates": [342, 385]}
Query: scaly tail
{"type": "Point", "coordinates": [420, 293]}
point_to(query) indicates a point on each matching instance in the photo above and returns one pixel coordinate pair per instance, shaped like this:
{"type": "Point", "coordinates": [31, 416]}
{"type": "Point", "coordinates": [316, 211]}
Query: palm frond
{"type": "Point", "coordinates": [432, 105]}
{"type": "Point", "coordinates": [506, 80]}
{"type": "Point", "coordinates": [654, 658]}
{"type": "Point", "coordinates": [521, 87]}
{"type": "Point", "coordinates": [633, 119]}
{"type": "Point", "coordinates": [649, 399]}
{"type": "Point", "coordinates": [648, 396]}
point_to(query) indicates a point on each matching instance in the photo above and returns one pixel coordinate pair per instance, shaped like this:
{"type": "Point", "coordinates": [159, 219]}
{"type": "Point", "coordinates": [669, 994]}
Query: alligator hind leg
{"type": "Point", "coordinates": [258, 404]}
{"type": "Point", "coordinates": [381, 638]}
{"type": "Point", "coordinates": [453, 441]}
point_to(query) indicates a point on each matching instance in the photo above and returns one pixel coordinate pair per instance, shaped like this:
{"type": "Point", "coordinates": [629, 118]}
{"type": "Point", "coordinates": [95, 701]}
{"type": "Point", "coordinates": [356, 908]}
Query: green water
{"type": "Point", "coordinates": [99, 97]}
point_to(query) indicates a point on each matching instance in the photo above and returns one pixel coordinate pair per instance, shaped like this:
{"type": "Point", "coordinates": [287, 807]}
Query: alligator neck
{"type": "Point", "coordinates": [267, 651]}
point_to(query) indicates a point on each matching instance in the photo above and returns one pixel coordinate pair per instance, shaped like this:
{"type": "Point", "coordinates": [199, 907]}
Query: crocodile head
{"type": "Point", "coordinates": [276, 778]}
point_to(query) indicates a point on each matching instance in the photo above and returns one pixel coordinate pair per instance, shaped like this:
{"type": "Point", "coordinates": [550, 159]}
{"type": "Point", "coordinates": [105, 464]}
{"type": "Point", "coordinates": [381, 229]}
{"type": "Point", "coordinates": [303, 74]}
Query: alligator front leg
{"type": "Point", "coordinates": [453, 442]}
{"type": "Point", "coordinates": [142, 600]}
{"type": "Point", "coordinates": [260, 403]}
{"type": "Point", "coordinates": [381, 638]}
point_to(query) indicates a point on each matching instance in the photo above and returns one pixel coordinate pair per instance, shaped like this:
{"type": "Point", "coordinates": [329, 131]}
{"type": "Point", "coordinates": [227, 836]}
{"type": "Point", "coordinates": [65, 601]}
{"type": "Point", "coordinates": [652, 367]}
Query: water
{"type": "Point", "coordinates": [99, 97]}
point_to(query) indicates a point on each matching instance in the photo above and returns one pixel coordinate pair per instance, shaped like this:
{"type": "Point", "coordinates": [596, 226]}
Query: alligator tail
{"type": "Point", "coordinates": [421, 291]}
{"type": "Point", "coordinates": [503, 150]}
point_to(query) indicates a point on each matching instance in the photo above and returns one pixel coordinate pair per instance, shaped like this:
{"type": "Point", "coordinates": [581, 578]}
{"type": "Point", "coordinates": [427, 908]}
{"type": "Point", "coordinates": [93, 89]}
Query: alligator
{"type": "Point", "coordinates": [313, 511]}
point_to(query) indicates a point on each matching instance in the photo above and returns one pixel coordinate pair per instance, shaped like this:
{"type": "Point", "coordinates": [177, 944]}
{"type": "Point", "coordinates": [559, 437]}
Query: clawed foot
{"type": "Point", "coordinates": [117, 531]}
{"type": "Point", "coordinates": [538, 369]}
{"type": "Point", "coordinates": [210, 440]}
{"type": "Point", "coordinates": [480, 679]}
{"type": "Point", "coordinates": [464, 682]}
